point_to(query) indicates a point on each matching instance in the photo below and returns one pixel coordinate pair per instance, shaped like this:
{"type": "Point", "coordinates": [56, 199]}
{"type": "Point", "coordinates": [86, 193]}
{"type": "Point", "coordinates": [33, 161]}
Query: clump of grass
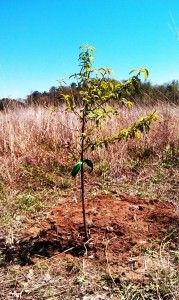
{"type": "Point", "coordinates": [65, 183]}
{"type": "Point", "coordinates": [28, 202]}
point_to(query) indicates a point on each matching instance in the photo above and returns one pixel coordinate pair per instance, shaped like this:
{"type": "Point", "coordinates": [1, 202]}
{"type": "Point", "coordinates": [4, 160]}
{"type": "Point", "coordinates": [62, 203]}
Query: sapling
{"type": "Point", "coordinates": [95, 98]}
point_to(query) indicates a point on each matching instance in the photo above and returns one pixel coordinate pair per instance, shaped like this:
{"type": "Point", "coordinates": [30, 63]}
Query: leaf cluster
{"type": "Point", "coordinates": [134, 131]}
{"type": "Point", "coordinates": [95, 91]}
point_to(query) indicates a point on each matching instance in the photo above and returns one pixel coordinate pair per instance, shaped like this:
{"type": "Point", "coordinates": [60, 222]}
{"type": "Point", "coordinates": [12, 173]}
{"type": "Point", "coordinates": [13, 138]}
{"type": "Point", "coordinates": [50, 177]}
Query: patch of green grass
{"type": "Point", "coordinates": [150, 180]}
{"type": "Point", "coordinates": [57, 168]}
{"type": "Point", "coordinates": [42, 177]}
{"type": "Point", "coordinates": [49, 176]}
{"type": "Point", "coordinates": [65, 183]}
{"type": "Point", "coordinates": [28, 202]}
{"type": "Point", "coordinates": [2, 188]}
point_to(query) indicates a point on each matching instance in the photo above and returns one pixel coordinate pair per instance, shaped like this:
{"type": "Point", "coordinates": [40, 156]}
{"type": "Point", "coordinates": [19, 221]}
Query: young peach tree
{"type": "Point", "coordinates": [93, 100]}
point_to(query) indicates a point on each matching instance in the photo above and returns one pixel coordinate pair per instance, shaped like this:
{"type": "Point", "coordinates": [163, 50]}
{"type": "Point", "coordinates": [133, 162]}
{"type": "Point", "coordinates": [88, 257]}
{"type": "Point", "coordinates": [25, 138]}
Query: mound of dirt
{"type": "Point", "coordinates": [117, 227]}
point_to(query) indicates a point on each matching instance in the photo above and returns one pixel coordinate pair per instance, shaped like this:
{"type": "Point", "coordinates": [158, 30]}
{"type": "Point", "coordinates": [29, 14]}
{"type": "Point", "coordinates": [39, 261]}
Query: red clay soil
{"type": "Point", "coordinates": [117, 226]}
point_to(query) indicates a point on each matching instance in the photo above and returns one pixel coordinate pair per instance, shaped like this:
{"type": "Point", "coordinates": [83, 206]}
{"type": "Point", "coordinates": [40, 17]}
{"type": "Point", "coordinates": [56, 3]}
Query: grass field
{"type": "Point", "coordinates": [36, 156]}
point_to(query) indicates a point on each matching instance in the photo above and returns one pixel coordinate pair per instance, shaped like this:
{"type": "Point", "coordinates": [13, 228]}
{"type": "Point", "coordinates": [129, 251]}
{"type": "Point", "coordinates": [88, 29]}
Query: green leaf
{"type": "Point", "coordinates": [134, 70]}
{"type": "Point", "coordinates": [89, 163]}
{"type": "Point", "coordinates": [76, 168]}
{"type": "Point", "coordinates": [143, 70]}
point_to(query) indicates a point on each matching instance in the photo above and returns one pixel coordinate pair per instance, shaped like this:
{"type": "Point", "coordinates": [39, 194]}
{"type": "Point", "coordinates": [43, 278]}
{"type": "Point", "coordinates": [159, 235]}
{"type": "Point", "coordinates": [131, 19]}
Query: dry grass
{"type": "Point", "coordinates": [38, 135]}
{"type": "Point", "coordinates": [31, 135]}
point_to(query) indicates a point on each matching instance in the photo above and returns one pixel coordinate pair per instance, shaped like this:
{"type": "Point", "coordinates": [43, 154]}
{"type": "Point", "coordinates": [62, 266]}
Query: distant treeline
{"type": "Point", "coordinates": [146, 94]}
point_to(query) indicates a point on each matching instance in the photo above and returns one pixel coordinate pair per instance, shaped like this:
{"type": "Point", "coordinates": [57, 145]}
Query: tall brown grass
{"type": "Point", "coordinates": [37, 135]}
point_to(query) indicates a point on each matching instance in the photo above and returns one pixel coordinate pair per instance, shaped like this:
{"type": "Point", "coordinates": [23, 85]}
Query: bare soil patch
{"type": "Point", "coordinates": [118, 227]}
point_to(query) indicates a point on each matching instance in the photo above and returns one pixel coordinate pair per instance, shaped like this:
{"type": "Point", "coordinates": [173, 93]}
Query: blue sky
{"type": "Point", "coordinates": [40, 39]}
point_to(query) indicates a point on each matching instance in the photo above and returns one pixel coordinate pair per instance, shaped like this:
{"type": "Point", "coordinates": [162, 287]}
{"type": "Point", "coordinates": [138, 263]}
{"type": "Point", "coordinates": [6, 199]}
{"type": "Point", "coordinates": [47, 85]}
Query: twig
{"type": "Point", "coordinates": [67, 250]}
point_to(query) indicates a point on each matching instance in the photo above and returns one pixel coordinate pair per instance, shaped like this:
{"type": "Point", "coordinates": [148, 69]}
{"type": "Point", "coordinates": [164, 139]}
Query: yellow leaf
{"type": "Point", "coordinates": [137, 134]}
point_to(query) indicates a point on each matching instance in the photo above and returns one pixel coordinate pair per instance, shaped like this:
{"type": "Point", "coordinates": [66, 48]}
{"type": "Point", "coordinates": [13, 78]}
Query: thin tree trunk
{"type": "Point", "coordinates": [82, 178]}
